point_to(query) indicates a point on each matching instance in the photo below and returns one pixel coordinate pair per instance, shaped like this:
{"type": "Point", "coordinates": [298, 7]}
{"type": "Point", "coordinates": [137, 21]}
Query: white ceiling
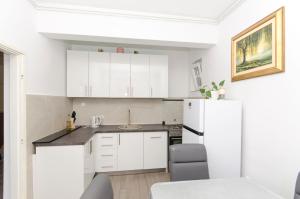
{"type": "Point", "coordinates": [212, 10]}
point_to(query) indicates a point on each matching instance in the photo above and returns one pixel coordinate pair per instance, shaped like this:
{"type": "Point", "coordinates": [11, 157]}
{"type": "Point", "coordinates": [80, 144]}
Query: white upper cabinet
{"type": "Point", "coordinates": [140, 78]}
{"type": "Point", "coordinates": [120, 75]}
{"type": "Point", "coordinates": [95, 74]}
{"type": "Point", "coordinates": [159, 76]}
{"type": "Point", "coordinates": [77, 73]}
{"type": "Point", "coordinates": [99, 70]}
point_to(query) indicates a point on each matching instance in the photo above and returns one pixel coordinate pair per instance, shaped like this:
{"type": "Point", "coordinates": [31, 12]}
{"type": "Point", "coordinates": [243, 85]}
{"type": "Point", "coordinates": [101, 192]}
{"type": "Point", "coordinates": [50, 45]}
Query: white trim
{"type": "Point", "coordinates": [68, 8]}
{"type": "Point", "coordinates": [229, 10]}
{"type": "Point", "coordinates": [17, 121]}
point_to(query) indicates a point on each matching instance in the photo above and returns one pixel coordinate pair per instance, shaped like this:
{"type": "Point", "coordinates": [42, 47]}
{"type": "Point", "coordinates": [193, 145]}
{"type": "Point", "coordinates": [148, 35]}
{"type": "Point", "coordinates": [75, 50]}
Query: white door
{"type": "Point", "coordinates": [99, 69]}
{"type": "Point", "coordinates": [193, 114]}
{"type": "Point", "coordinates": [159, 76]}
{"type": "Point", "coordinates": [155, 150]}
{"type": "Point", "coordinates": [140, 85]}
{"type": "Point", "coordinates": [77, 73]}
{"type": "Point", "coordinates": [120, 75]}
{"type": "Point", "coordinates": [130, 151]}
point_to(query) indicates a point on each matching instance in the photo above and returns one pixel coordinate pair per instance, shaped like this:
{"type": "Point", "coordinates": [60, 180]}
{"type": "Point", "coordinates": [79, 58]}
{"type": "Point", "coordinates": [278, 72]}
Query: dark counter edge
{"type": "Point", "coordinates": [52, 140]}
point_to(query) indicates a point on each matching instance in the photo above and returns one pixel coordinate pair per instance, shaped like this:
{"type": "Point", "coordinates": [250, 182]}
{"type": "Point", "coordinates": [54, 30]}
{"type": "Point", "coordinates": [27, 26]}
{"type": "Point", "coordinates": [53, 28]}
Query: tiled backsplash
{"type": "Point", "coordinates": [115, 111]}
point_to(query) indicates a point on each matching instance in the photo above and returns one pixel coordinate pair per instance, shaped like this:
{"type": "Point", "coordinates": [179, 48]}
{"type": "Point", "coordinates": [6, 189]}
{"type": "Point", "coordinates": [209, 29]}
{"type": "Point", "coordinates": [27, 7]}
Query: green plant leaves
{"type": "Point", "coordinates": [215, 87]}
{"type": "Point", "coordinates": [221, 84]}
{"type": "Point", "coordinates": [208, 94]}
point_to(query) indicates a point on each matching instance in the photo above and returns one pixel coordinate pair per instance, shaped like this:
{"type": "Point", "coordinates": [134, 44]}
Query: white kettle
{"type": "Point", "coordinates": [96, 121]}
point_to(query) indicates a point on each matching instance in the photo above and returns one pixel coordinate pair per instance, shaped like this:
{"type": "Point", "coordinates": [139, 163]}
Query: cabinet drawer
{"type": "Point", "coordinates": [106, 140]}
{"type": "Point", "coordinates": [106, 163]}
{"type": "Point", "coordinates": [155, 136]}
{"type": "Point", "coordinates": [106, 159]}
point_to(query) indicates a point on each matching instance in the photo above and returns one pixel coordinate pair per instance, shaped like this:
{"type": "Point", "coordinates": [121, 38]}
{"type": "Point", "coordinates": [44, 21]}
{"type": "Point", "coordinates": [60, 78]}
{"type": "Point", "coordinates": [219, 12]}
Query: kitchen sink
{"type": "Point", "coordinates": [129, 127]}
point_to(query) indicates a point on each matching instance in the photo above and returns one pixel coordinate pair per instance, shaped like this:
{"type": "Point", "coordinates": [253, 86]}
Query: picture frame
{"type": "Point", "coordinates": [197, 74]}
{"type": "Point", "coordinates": [260, 49]}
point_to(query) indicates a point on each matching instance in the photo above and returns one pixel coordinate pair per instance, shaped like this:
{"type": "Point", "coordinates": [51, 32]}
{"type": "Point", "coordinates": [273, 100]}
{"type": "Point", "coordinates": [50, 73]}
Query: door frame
{"type": "Point", "coordinates": [17, 123]}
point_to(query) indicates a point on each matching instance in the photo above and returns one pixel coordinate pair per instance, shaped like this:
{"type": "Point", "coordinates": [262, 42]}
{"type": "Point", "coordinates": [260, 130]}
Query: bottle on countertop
{"type": "Point", "coordinates": [70, 123]}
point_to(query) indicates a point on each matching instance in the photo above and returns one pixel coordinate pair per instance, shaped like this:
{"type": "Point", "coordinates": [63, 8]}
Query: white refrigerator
{"type": "Point", "coordinates": [218, 125]}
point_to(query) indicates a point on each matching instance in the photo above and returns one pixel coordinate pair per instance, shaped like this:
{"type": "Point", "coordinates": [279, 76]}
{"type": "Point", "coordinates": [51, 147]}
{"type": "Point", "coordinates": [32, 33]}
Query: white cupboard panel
{"type": "Point", "coordinates": [77, 73]}
{"type": "Point", "coordinates": [140, 83]}
{"type": "Point", "coordinates": [99, 71]}
{"type": "Point", "coordinates": [155, 150]}
{"type": "Point", "coordinates": [120, 75]}
{"type": "Point", "coordinates": [130, 151]}
{"type": "Point", "coordinates": [159, 76]}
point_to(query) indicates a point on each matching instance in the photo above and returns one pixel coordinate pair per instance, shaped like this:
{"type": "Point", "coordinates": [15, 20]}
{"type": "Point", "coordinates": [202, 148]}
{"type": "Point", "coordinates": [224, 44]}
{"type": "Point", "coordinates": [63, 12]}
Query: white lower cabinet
{"type": "Point", "coordinates": [130, 151]}
{"type": "Point", "coordinates": [106, 152]}
{"type": "Point", "coordinates": [63, 172]}
{"type": "Point", "coordinates": [155, 150]}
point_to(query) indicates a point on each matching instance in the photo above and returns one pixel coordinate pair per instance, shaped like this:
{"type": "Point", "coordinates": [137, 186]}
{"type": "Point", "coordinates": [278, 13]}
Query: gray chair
{"type": "Point", "coordinates": [100, 188]}
{"type": "Point", "coordinates": [188, 162]}
{"type": "Point", "coordinates": [297, 189]}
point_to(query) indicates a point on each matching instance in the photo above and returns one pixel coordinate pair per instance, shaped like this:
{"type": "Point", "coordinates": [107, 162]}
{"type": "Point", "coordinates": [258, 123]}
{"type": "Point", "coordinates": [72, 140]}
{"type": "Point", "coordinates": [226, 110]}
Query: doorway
{"type": "Point", "coordinates": [1, 122]}
{"type": "Point", "coordinates": [12, 124]}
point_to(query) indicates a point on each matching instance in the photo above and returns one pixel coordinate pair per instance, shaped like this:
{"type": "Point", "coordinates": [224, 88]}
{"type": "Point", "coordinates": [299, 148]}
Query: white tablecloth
{"type": "Point", "coordinates": [241, 188]}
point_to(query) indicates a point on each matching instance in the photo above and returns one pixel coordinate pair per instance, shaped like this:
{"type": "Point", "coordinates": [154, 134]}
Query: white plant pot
{"type": "Point", "coordinates": [214, 95]}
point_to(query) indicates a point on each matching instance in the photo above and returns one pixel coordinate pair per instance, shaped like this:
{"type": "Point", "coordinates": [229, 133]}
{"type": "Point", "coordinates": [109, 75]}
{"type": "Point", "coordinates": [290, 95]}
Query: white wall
{"type": "Point", "coordinates": [270, 104]}
{"type": "Point", "coordinates": [45, 58]}
{"type": "Point", "coordinates": [179, 67]}
{"type": "Point", "coordinates": [90, 26]}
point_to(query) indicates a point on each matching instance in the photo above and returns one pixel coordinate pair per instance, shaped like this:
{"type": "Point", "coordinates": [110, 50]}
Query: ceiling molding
{"type": "Point", "coordinates": [59, 7]}
{"type": "Point", "coordinates": [229, 10]}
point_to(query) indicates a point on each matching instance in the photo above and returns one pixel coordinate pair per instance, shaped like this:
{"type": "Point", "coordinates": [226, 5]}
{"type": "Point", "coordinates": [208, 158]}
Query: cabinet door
{"type": "Point", "coordinates": [120, 75]}
{"type": "Point", "coordinates": [99, 68]}
{"type": "Point", "coordinates": [140, 75]}
{"type": "Point", "coordinates": [159, 76]}
{"type": "Point", "coordinates": [89, 167]}
{"type": "Point", "coordinates": [130, 151]}
{"type": "Point", "coordinates": [77, 73]}
{"type": "Point", "coordinates": [155, 150]}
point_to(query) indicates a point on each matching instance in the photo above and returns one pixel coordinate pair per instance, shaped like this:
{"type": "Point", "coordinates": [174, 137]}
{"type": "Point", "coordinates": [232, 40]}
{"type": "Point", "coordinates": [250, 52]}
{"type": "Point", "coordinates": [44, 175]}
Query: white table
{"type": "Point", "coordinates": [241, 188]}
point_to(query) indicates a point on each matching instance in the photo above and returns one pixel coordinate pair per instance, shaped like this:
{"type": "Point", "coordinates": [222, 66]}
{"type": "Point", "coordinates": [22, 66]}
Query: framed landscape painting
{"type": "Point", "coordinates": [259, 50]}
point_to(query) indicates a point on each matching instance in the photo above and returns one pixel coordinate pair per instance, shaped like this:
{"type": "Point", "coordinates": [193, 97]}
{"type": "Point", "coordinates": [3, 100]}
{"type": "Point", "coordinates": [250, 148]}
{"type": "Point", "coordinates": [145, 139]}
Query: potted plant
{"type": "Point", "coordinates": [205, 92]}
{"type": "Point", "coordinates": [213, 93]}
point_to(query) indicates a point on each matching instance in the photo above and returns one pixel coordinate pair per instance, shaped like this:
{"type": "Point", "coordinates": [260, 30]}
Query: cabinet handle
{"type": "Point", "coordinates": [106, 145]}
{"type": "Point", "coordinates": [91, 147]}
{"type": "Point", "coordinates": [156, 137]}
{"type": "Point", "coordinates": [131, 93]}
{"type": "Point", "coordinates": [151, 91]}
{"type": "Point", "coordinates": [86, 90]}
{"type": "Point", "coordinates": [106, 137]}
{"type": "Point", "coordinates": [106, 167]}
{"type": "Point", "coordinates": [103, 155]}
{"type": "Point", "coordinates": [127, 92]}
{"type": "Point", "coordinates": [119, 140]}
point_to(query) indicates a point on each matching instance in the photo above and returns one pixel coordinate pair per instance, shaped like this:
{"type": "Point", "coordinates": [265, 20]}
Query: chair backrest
{"type": "Point", "coordinates": [188, 162]}
{"type": "Point", "coordinates": [100, 188]}
{"type": "Point", "coordinates": [297, 189]}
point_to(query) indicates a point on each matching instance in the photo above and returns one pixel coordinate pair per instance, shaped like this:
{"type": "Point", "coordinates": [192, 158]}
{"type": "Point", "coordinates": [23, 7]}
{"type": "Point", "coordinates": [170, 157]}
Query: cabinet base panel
{"type": "Point", "coordinates": [135, 171]}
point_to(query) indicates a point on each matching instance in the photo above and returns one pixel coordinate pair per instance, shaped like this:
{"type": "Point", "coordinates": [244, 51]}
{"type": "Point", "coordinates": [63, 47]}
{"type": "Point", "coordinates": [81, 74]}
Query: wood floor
{"type": "Point", "coordinates": [136, 186]}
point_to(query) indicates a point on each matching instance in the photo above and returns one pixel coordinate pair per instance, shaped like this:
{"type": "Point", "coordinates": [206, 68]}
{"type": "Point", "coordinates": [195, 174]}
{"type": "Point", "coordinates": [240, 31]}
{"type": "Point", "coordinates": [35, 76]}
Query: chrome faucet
{"type": "Point", "coordinates": [129, 117]}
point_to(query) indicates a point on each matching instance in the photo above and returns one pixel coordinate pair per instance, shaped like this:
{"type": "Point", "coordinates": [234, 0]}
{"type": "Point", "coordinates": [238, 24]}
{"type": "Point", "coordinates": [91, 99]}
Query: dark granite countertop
{"type": "Point", "coordinates": [81, 135]}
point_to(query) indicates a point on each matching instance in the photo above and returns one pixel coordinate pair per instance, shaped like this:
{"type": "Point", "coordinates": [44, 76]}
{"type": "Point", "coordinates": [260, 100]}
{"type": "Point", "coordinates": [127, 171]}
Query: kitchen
{"type": "Point", "coordinates": [106, 91]}
{"type": "Point", "coordinates": [125, 123]}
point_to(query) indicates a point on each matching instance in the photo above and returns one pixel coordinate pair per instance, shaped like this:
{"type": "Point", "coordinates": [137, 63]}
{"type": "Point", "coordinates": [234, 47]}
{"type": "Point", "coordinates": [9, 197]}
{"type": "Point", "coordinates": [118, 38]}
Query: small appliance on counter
{"type": "Point", "coordinates": [96, 121]}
